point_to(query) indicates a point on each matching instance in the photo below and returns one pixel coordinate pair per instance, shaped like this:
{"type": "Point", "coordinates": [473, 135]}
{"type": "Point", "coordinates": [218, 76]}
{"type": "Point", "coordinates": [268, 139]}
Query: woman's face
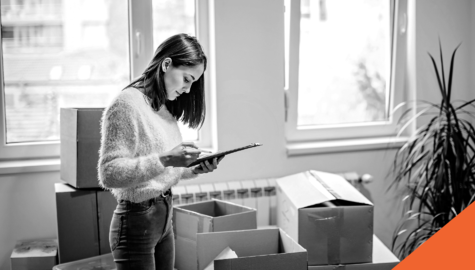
{"type": "Point", "coordinates": [178, 80]}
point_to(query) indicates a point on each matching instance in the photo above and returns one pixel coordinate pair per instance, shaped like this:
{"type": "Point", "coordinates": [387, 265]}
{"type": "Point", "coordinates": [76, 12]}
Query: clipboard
{"type": "Point", "coordinates": [222, 153]}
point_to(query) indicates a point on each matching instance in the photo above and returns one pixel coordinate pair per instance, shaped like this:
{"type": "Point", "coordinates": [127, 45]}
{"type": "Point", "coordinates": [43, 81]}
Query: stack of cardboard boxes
{"type": "Point", "coordinates": [84, 210]}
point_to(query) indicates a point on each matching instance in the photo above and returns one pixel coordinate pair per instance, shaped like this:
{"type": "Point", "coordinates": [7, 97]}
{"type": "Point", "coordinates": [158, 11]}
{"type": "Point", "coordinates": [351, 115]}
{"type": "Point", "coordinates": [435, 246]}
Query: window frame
{"type": "Point", "coordinates": [140, 52]}
{"type": "Point", "coordinates": [295, 134]}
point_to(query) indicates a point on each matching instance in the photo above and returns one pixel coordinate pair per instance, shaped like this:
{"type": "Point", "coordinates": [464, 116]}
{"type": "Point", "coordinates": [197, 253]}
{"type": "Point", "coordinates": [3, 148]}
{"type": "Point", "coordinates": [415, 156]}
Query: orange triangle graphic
{"type": "Point", "coordinates": [452, 247]}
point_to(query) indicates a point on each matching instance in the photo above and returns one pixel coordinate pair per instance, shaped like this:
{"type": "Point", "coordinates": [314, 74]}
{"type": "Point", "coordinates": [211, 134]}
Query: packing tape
{"type": "Point", "coordinates": [331, 221]}
{"type": "Point", "coordinates": [329, 189]}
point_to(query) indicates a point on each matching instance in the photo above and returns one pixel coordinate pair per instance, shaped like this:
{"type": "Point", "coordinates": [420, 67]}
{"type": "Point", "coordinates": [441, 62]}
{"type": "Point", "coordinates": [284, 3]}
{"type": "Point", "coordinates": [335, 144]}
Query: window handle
{"type": "Point", "coordinates": [286, 104]}
{"type": "Point", "coordinates": [403, 23]}
{"type": "Point", "coordinates": [138, 44]}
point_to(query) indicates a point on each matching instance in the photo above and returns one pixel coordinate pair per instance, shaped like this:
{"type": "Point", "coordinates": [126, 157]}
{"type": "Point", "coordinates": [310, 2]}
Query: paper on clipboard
{"type": "Point", "coordinates": [223, 153]}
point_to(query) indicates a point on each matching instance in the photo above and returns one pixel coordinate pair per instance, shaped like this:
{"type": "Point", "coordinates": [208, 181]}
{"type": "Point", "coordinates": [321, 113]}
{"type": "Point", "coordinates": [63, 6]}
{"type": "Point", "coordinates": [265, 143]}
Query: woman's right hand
{"type": "Point", "coordinates": [180, 156]}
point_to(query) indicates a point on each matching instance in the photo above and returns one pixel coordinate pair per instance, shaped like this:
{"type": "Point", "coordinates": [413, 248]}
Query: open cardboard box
{"type": "Point", "coordinates": [80, 142]}
{"type": "Point", "coordinates": [207, 216]}
{"type": "Point", "coordinates": [264, 249]}
{"type": "Point", "coordinates": [327, 216]}
{"type": "Point", "coordinates": [383, 259]}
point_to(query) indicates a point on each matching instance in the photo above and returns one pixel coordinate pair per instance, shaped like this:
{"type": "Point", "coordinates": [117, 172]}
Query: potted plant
{"type": "Point", "coordinates": [435, 168]}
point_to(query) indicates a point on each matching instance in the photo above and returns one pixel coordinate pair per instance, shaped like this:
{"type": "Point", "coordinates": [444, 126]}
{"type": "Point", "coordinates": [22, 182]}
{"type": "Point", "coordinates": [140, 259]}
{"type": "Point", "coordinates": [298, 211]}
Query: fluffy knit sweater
{"type": "Point", "coordinates": [132, 136]}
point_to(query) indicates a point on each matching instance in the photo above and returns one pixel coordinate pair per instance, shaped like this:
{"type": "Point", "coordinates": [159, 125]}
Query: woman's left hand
{"type": "Point", "coordinates": [206, 166]}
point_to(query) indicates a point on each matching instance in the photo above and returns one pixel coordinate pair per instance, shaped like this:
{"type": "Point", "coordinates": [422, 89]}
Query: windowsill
{"type": "Point", "coordinates": [293, 149]}
{"type": "Point", "coordinates": [29, 166]}
{"type": "Point", "coordinates": [337, 146]}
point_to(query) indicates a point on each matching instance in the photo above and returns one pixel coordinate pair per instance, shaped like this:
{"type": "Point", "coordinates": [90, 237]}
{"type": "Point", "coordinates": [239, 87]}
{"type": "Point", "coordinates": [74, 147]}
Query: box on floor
{"type": "Point", "coordinates": [327, 216]}
{"type": "Point", "coordinates": [383, 259]}
{"type": "Point", "coordinates": [207, 216]}
{"type": "Point", "coordinates": [263, 249]}
{"type": "Point", "coordinates": [80, 142]}
{"type": "Point", "coordinates": [83, 217]}
{"type": "Point", "coordinates": [35, 254]}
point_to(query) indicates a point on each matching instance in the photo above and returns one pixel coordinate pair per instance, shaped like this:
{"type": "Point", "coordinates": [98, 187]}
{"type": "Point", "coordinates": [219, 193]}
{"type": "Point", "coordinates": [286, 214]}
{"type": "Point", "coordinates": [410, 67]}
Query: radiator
{"type": "Point", "coordinates": [259, 194]}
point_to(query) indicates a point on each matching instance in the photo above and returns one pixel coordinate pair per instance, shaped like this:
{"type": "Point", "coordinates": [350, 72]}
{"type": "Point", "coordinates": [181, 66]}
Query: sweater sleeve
{"type": "Point", "coordinates": [118, 166]}
{"type": "Point", "coordinates": [188, 174]}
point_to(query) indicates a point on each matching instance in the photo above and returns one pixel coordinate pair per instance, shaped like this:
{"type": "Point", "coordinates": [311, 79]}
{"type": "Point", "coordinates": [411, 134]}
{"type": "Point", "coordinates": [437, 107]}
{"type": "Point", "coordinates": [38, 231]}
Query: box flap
{"type": "Point", "coordinates": [381, 253]}
{"type": "Point", "coordinates": [216, 208]}
{"type": "Point", "coordinates": [313, 187]}
{"type": "Point", "coordinates": [205, 208]}
{"type": "Point", "coordinates": [339, 187]}
{"type": "Point", "coordinates": [301, 192]}
{"type": "Point", "coordinates": [188, 223]}
{"type": "Point", "coordinates": [238, 221]}
{"type": "Point", "coordinates": [288, 244]}
{"type": "Point", "coordinates": [214, 215]}
{"type": "Point", "coordinates": [228, 208]}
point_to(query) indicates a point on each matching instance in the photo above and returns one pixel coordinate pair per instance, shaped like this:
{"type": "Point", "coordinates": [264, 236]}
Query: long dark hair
{"type": "Point", "coordinates": [184, 50]}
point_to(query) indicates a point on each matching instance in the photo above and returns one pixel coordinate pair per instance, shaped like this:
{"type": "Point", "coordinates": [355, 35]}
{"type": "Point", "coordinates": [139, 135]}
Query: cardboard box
{"type": "Point", "coordinates": [327, 216]}
{"type": "Point", "coordinates": [106, 204]}
{"type": "Point", "coordinates": [208, 216]}
{"type": "Point", "coordinates": [35, 254]}
{"type": "Point", "coordinates": [104, 262]}
{"type": "Point", "coordinates": [84, 217]}
{"type": "Point", "coordinates": [80, 142]}
{"type": "Point", "coordinates": [383, 259]}
{"type": "Point", "coordinates": [264, 249]}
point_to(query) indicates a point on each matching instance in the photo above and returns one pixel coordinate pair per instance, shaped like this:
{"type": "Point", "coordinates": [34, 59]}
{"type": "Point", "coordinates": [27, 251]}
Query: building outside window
{"type": "Point", "coordinates": [342, 58]}
{"type": "Point", "coordinates": [73, 53]}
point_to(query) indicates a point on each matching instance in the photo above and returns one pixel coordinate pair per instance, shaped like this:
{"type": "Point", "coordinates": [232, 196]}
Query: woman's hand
{"type": "Point", "coordinates": [181, 156]}
{"type": "Point", "coordinates": [206, 166]}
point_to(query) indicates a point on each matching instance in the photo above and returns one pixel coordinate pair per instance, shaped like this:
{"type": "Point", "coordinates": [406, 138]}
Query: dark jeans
{"type": "Point", "coordinates": [141, 234]}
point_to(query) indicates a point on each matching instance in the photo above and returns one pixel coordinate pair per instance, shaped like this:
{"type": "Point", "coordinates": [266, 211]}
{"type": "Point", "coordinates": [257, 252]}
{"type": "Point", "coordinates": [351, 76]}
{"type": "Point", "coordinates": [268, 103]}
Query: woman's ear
{"type": "Point", "coordinates": [166, 64]}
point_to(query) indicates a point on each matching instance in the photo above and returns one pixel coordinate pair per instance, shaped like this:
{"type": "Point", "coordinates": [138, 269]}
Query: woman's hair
{"type": "Point", "coordinates": [184, 50]}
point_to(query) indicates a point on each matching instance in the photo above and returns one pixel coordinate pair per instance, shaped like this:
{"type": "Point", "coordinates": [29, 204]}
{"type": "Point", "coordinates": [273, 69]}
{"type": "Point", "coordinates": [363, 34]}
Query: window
{"type": "Point", "coordinates": [344, 67]}
{"type": "Point", "coordinates": [77, 53]}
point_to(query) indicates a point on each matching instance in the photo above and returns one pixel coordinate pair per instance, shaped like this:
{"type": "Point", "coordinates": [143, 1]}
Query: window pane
{"type": "Point", "coordinates": [172, 17]}
{"type": "Point", "coordinates": [60, 53]}
{"type": "Point", "coordinates": [344, 62]}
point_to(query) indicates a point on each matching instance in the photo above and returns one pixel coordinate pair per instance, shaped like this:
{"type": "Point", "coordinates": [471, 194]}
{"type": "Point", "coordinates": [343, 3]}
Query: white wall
{"type": "Point", "coordinates": [27, 210]}
{"type": "Point", "coordinates": [450, 21]}
{"type": "Point", "coordinates": [249, 63]}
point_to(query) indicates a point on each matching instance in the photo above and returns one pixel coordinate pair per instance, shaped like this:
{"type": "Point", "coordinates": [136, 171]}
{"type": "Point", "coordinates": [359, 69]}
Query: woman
{"type": "Point", "coordinates": [142, 154]}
